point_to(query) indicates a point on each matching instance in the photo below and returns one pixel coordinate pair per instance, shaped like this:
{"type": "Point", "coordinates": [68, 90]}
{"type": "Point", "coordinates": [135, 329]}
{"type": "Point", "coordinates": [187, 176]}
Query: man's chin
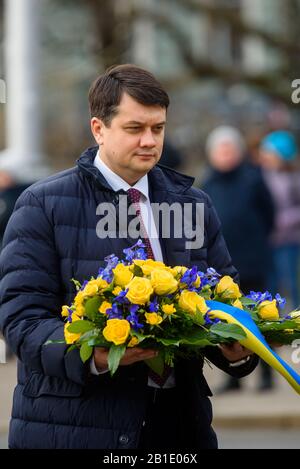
{"type": "Point", "coordinates": [145, 165]}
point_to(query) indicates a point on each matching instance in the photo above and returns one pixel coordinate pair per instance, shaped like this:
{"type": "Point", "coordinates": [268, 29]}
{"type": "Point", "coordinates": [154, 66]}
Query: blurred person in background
{"type": "Point", "coordinates": [278, 158]}
{"type": "Point", "coordinates": [11, 187]}
{"type": "Point", "coordinates": [244, 205]}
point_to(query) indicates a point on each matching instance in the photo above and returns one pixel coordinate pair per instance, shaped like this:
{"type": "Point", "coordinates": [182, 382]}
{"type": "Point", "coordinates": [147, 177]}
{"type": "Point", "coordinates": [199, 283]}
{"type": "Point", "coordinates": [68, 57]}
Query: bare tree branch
{"type": "Point", "coordinates": [240, 26]}
{"type": "Point", "coordinates": [273, 85]}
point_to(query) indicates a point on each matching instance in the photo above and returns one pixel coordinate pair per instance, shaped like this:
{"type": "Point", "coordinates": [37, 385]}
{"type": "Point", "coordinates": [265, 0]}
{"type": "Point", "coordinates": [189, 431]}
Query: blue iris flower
{"type": "Point", "coordinates": [70, 312]}
{"type": "Point", "coordinates": [280, 301]}
{"type": "Point", "coordinates": [106, 273]}
{"type": "Point", "coordinates": [137, 251]}
{"type": "Point", "coordinates": [210, 321]}
{"type": "Point", "coordinates": [153, 307]}
{"type": "Point", "coordinates": [83, 285]}
{"type": "Point", "coordinates": [190, 276]}
{"type": "Point", "coordinates": [133, 317]}
{"type": "Point", "coordinates": [212, 277]}
{"type": "Point", "coordinates": [259, 297]}
{"type": "Point", "coordinates": [115, 312]}
{"type": "Point", "coordinates": [121, 298]}
{"type": "Point", "coordinates": [204, 279]}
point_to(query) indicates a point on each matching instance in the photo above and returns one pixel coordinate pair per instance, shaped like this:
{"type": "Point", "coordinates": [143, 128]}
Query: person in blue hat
{"type": "Point", "coordinates": [278, 158]}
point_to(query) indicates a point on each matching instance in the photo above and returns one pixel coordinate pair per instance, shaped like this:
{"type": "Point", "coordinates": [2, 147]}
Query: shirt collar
{"type": "Point", "coordinates": [116, 182]}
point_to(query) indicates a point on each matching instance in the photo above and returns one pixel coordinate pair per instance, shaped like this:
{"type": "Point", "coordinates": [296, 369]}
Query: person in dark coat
{"type": "Point", "coordinates": [11, 187]}
{"type": "Point", "coordinates": [246, 210]}
{"type": "Point", "coordinates": [52, 237]}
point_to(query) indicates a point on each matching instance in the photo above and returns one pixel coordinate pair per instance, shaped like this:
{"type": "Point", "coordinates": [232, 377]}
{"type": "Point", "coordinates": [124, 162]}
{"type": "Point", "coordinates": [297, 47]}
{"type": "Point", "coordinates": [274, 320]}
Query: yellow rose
{"type": "Point", "coordinates": [104, 306]}
{"type": "Point", "coordinates": [79, 298]}
{"type": "Point", "coordinates": [153, 318]}
{"type": "Point", "coordinates": [163, 282]}
{"type": "Point", "coordinates": [139, 290]}
{"type": "Point", "coordinates": [80, 310]}
{"type": "Point", "coordinates": [237, 304]}
{"type": "Point", "coordinates": [227, 288]}
{"type": "Point", "coordinates": [70, 337]}
{"type": "Point", "coordinates": [117, 290]}
{"type": "Point", "coordinates": [150, 264]}
{"type": "Point", "coordinates": [168, 309]}
{"type": "Point", "coordinates": [90, 289]}
{"type": "Point", "coordinates": [122, 275]}
{"type": "Point", "coordinates": [268, 310]}
{"type": "Point", "coordinates": [100, 282]}
{"type": "Point", "coordinates": [133, 342]}
{"type": "Point", "coordinates": [179, 270]}
{"type": "Point", "coordinates": [116, 331]}
{"type": "Point", "coordinates": [138, 262]}
{"type": "Point", "coordinates": [65, 311]}
{"type": "Point", "coordinates": [189, 300]}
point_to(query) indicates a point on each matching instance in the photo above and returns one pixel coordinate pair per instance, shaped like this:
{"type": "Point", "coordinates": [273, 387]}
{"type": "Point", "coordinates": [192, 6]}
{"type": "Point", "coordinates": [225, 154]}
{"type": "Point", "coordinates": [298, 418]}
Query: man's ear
{"type": "Point", "coordinates": [97, 127]}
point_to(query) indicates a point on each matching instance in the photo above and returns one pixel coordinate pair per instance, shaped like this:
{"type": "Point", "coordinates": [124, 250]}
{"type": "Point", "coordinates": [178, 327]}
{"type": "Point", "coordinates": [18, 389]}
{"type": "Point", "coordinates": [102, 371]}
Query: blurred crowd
{"type": "Point", "coordinates": [257, 197]}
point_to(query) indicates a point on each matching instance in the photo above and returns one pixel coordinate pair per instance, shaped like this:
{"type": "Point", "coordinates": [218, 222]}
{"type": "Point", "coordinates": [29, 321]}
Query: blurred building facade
{"type": "Point", "coordinates": [228, 61]}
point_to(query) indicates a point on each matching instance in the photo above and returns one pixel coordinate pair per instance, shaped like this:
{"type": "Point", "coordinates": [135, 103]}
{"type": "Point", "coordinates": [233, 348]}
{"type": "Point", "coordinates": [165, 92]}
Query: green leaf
{"type": "Point", "coordinates": [91, 307]}
{"type": "Point", "coordinates": [228, 331]}
{"type": "Point", "coordinates": [246, 301]}
{"type": "Point", "coordinates": [115, 354]}
{"type": "Point", "coordinates": [87, 336]}
{"type": "Point", "coordinates": [157, 364]}
{"type": "Point", "coordinates": [137, 271]}
{"type": "Point", "coordinates": [76, 283]}
{"type": "Point", "coordinates": [78, 327]}
{"type": "Point", "coordinates": [193, 341]}
{"type": "Point", "coordinates": [72, 347]}
{"type": "Point", "coordinates": [85, 351]}
{"type": "Point", "coordinates": [98, 342]}
{"type": "Point", "coordinates": [198, 317]}
{"type": "Point", "coordinates": [168, 342]}
{"type": "Point", "coordinates": [278, 326]}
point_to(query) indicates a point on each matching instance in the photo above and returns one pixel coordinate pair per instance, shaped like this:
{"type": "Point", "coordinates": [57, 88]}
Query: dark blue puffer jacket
{"type": "Point", "coordinates": [50, 239]}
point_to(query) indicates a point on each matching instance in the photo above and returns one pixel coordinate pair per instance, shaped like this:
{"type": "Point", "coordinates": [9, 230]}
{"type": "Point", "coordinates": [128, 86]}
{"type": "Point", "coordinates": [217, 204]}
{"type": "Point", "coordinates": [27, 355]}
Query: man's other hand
{"type": "Point", "coordinates": [235, 351]}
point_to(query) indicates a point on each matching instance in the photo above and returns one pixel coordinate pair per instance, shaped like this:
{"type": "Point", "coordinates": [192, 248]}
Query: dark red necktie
{"type": "Point", "coordinates": [135, 196]}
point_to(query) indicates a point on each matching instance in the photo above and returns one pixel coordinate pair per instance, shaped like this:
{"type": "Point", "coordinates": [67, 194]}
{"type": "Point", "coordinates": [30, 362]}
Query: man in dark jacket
{"type": "Point", "coordinates": [52, 237]}
{"type": "Point", "coordinates": [244, 205]}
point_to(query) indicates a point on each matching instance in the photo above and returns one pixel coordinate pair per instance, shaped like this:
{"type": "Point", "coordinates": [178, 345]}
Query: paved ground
{"type": "Point", "coordinates": [259, 438]}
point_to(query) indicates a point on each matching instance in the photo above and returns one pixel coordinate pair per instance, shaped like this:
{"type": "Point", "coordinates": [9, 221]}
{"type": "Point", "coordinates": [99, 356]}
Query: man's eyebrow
{"type": "Point", "coordinates": [142, 123]}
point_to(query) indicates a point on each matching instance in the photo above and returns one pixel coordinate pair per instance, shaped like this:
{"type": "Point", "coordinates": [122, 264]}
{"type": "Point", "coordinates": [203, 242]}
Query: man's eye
{"type": "Point", "coordinates": [134, 129]}
{"type": "Point", "coordinates": [158, 129]}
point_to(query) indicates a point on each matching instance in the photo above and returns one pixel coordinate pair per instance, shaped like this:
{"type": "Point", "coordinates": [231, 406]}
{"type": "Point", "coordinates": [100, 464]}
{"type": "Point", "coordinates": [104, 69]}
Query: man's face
{"type": "Point", "coordinates": [132, 144]}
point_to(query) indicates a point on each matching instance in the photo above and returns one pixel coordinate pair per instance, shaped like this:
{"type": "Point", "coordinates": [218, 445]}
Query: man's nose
{"type": "Point", "coordinates": [147, 139]}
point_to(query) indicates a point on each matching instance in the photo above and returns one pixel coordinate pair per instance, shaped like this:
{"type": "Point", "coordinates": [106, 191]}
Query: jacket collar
{"type": "Point", "coordinates": [160, 178]}
{"type": "Point", "coordinates": [165, 185]}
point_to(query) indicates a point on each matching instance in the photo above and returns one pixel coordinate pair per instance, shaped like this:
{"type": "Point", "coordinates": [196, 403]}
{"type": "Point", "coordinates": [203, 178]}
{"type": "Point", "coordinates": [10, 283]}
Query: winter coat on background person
{"type": "Point", "coordinates": [246, 211]}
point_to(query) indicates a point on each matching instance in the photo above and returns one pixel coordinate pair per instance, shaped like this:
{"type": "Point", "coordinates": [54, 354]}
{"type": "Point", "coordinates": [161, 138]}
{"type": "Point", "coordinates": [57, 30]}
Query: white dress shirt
{"type": "Point", "coordinates": [117, 183]}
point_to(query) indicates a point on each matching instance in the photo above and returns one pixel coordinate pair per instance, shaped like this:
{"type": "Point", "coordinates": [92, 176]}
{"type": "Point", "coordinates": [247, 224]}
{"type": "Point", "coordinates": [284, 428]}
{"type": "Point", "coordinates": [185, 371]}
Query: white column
{"type": "Point", "coordinates": [22, 113]}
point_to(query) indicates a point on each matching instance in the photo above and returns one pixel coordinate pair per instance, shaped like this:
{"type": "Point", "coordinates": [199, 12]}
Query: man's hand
{"type": "Point", "coordinates": [132, 355]}
{"type": "Point", "coordinates": [235, 352]}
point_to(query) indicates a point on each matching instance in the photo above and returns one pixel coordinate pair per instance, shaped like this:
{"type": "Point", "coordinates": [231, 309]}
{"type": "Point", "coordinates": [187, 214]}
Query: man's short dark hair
{"type": "Point", "coordinates": [106, 92]}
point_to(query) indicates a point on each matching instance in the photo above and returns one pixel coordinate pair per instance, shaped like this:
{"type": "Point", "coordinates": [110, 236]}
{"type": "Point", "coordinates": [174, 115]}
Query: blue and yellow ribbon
{"type": "Point", "coordinates": [254, 340]}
